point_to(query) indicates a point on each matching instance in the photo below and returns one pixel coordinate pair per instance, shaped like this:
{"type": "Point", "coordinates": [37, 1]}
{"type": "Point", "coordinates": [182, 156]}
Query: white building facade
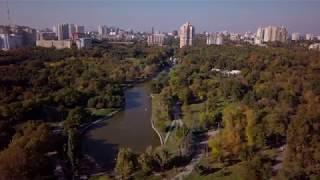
{"type": "Point", "coordinates": [187, 33]}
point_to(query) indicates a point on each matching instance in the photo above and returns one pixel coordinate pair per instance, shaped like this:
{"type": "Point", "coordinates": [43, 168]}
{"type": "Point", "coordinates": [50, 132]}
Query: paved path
{"type": "Point", "coordinates": [201, 150]}
{"type": "Point", "coordinates": [174, 124]}
{"type": "Point", "coordinates": [157, 132]}
{"type": "Point", "coordinates": [177, 122]}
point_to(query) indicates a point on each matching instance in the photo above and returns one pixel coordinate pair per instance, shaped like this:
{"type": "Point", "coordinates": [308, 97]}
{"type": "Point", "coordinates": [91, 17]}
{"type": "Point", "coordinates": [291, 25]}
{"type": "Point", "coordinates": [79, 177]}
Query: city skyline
{"type": "Point", "coordinates": [211, 16]}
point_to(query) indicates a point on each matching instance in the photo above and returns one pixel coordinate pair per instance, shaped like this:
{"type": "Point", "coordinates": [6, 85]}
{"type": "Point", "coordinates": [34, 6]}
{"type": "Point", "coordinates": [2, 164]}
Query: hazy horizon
{"type": "Point", "coordinates": [165, 15]}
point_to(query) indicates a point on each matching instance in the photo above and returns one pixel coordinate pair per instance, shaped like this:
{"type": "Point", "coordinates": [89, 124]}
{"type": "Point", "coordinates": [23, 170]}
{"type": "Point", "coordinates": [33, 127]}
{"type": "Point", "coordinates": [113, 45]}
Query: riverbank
{"type": "Point", "coordinates": [130, 127]}
{"type": "Point", "coordinates": [86, 127]}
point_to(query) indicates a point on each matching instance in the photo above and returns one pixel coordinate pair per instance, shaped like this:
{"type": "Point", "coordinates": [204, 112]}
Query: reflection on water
{"type": "Point", "coordinates": [129, 128]}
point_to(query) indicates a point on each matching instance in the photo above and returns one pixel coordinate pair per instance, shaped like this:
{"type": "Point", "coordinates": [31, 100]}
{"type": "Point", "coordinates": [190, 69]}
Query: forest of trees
{"type": "Point", "coordinates": [42, 87]}
{"type": "Point", "coordinates": [274, 101]}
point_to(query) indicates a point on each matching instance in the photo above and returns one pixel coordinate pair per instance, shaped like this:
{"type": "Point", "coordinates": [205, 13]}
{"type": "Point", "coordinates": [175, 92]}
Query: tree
{"type": "Point", "coordinates": [75, 118]}
{"type": "Point", "coordinates": [162, 157]}
{"type": "Point", "coordinates": [302, 155]}
{"type": "Point", "coordinates": [215, 147]}
{"type": "Point", "coordinates": [146, 161]}
{"type": "Point", "coordinates": [25, 157]}
{"type": "Point", "coordinates": [241, 131]}
{"type": "Point", "coordinates": [125, 163]}
{"type": "Point", "coordinates": [73, 149]}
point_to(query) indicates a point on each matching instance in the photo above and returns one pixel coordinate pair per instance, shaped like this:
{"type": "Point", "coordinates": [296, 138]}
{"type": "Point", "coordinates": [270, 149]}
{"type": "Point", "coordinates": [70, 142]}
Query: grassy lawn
{"type": "Point", "coordinates": [191, 115]}
{"type": "Point", "coordinates": [101, 112]}
{"type": "Point", "coordinates": [270, 153]}
{"type": "Point", "coordinates": [218, 171]}
{"type": "Point", "coordinates": [174, 142]}
{"type": "Point", "coordinates": [102, 177]}
{"type": "Point", "coordinates": [155, 110]}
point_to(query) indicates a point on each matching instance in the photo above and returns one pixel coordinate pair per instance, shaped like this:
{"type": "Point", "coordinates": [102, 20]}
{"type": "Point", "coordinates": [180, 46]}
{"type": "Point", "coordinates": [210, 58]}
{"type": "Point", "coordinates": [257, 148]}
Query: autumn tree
{"type": "Point", "coordinates": [125, 163]}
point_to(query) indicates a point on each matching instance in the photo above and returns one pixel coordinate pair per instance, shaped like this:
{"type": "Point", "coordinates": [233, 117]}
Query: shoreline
{"type": "Point", "coordinates": [87, 127]}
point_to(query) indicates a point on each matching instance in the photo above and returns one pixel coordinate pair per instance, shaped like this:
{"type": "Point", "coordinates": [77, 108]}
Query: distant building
{"type": "Point", "coordinates": [58, 44]}
{"type": "Point", "coordinates": [315, 46]}
{"type": "Point", "coordinates": [29, 35]}
{"type": "Point", "coordinates": [234, 37]}
{"type": "Point", "coordinates": [76, 36]}
{"type": "Point", "coordinates": [80, 42]}
{"type": "Point", "coordinates": [83, 43]}
{"type": "Point", "coordinates": [63, 31]}
{"type": "Point", "coordinates": [46, 35]}
{"type": "Point", "coordinates": [295, 36]}
{"type": "Point", "coordinates": [72, 30]}
{"type": "Point", "coordinates": [271, 34]}
{"type": "Point", "coordinates": [174, 33]}
{"type": "Point", "coordinates": [80, 29]}
{"type": "Point", "coordinates": [54, 29]}
{"type": "Point", "coordinates": [10, 41]}
{"type": "Point", "coordinates": [309, 37]}
{"type": "Point", "coordinates": [187, 32]}
{"type": "Point", "coordinates": [17, 36]}
{"type": "Point", "coordinates": [155, 38]}
{"type": "Point", "coordinates": [215, 38]}
{"type": "Point", "coordinates": [248, 36]}
{"type": "Point", "coordinates": [102, 30]}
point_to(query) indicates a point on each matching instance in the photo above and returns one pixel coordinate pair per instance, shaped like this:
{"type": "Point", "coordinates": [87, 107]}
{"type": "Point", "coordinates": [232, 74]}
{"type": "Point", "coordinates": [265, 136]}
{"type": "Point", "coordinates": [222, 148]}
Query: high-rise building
{"type": "Point", "coordinates": [10, 41]}
{"type": "Point", "coordinates": [72, 30]}
{"type": "Point", "coordinates": [63, 31]}
{"type": "Point", "coordinates": [271, 34]}
{"type": "Point", "coordinates": [187, 32]}
{"type": "Point", "coordinates": [54, 29]}
{"type": "Point", "coordinates": [79, 29]}
{"type": "Point", "coordinates": [83, 43]}
{"type": "Point", "coordinates": [215, 38]}
{"type": "Point", "coordinates": [309, 37]}
{"type": "Point", "coordinates": [17, 36]}
{"type": "Point", "coordinates": [295, 36]}
{"type": "Point", "coordinates": [102, 30]}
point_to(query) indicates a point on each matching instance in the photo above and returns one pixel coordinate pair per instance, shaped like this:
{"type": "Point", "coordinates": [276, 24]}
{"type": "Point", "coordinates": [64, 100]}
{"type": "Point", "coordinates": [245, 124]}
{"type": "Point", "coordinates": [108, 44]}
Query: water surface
{"type": "Point", "coordinates": [128, 128]}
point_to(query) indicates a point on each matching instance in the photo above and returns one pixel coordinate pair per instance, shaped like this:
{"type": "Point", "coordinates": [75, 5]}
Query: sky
{"type": "Point", "coordinates": [167, 15]}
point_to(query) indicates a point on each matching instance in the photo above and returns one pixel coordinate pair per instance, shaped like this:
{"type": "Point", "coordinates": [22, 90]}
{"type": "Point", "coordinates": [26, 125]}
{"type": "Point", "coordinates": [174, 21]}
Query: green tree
{"type": "Point", "coordinates": [146, 161]}
{"type": "Point", "coordinates": [25, 157]}
{"type": "Point", "coordinates": [162, 157]}
{"type": "Point", "coordinates": [75, 118]}
{"type": "Point", "coordinates": [74, 149]}
{"type": "Point", "coordinates": [216, 148]}
{"type": "Point", "coordinates": [125, 163]}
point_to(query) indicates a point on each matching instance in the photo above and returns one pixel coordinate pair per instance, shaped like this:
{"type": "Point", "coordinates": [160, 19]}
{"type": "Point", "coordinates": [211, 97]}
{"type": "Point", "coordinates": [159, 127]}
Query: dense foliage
{"type": "Point", "coordinates": [54, 86]}
{"type": "Point", "coordinates": [272, 102]}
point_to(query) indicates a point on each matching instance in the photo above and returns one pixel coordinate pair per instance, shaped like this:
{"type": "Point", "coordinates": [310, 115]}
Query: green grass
{"type": "Point", "coordinates": [270, 153]}
{"type": "Point", "coordinates": [220, 172]}
{"type": "Point", "coordinates": [101, 112]}
{"type": "Point", "coordinates": [155, 108]}
{"type": "Point", "coordinates": [191, 115]}
{"type": "Point", "coordinates": [174, 142]}
{"type": "Point", "coordinates": [102, 177]}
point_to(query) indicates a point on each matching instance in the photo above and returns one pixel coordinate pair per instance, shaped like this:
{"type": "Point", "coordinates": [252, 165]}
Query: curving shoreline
{"type": "Point", "coordinates": [84, 129]}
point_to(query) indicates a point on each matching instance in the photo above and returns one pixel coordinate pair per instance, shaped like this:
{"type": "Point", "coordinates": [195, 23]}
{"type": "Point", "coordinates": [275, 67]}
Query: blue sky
{"type": "Point", "coordinates": [167, 15]}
